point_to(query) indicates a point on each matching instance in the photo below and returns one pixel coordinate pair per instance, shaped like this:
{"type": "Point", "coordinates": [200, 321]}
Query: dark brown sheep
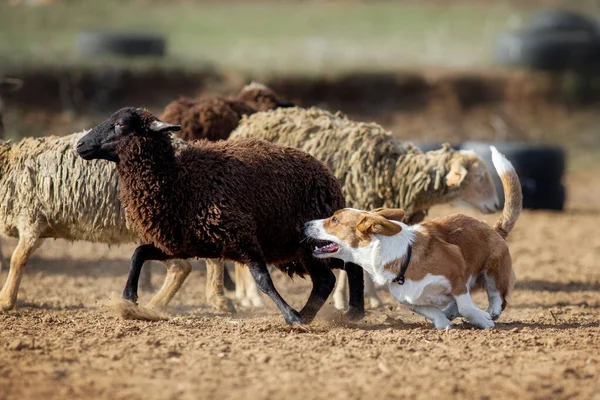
{"type": "Point", "coordinates": [214, 118]}
{"type": "Point", "coordinates": [243, 200]}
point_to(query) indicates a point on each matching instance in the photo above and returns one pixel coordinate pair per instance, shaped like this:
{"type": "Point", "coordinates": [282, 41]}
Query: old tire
{"type": "Point", "coordinates": [545, 196]}
{"type": "Point", "coordinates": [91, 44]}
{"type": "Point", "coordinates": [561, 20]}
{"type": "Point", "coordinates": [540, 169]}
{"type": "Point", "coordinates": [549, 50]}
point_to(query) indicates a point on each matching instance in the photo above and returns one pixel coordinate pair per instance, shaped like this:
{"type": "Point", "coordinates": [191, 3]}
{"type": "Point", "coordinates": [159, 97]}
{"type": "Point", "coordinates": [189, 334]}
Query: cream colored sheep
{"type": "Point", "coordinates": [375, 170]}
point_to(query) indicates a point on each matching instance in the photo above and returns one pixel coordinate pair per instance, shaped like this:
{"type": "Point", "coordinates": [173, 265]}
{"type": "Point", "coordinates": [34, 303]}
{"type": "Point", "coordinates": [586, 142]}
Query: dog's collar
{"type": "Point", "coordinates": [399, 279]}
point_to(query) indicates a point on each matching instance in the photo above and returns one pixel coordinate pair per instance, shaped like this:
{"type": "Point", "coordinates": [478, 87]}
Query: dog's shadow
{"type": "Point", "coordinates": [538, 325]}
{"type": "Point", "coordinates": [567, 287]}
{"type": "Point", "coordinates": [465, 326]}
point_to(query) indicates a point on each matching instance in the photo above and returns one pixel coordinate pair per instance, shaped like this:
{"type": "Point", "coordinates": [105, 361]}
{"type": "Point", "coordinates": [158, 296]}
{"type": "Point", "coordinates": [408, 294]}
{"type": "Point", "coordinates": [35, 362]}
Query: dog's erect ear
{"type": "Point", "coordinates": [457, 174]}
{"type": "Point", "coordinates": [376, 224]}
{"type": "Point", "coordinates": [395, 214]}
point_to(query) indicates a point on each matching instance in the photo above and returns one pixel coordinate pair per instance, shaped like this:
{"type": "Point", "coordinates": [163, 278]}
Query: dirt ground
{"type": "Point", "coordinates": [63, 342]}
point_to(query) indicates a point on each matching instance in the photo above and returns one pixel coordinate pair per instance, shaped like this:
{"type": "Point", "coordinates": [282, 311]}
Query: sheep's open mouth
{"type": "Point", "coordinates": [328, 248]}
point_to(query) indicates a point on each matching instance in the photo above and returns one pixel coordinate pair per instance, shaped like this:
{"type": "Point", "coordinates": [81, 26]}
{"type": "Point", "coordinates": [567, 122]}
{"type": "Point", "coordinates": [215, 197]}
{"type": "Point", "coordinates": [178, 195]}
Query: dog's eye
{"type": "Point", "coordinates": [334, 220]}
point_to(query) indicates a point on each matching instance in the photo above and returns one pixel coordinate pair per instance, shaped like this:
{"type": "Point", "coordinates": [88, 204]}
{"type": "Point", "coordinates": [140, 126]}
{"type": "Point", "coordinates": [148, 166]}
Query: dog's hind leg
{"type": "Point", "coordinates": [473, 314]}
{"type": "Point", "coordinates": [28, 243]}
{"type": "Point", "coordinates": [177, 272]}
{"type": "Point", "coordinates": [433, 314]}
{"type": "Point", "coordinates": [494, 298]}
{"type": "Point", "coordinates": [499, 282]}
{"type": "Point", "coordinates": [451, 311]}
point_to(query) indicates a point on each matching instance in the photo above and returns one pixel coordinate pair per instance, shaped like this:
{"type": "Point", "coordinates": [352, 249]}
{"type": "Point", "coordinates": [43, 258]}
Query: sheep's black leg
{"type": "Point", "coordinates": [323, 281]}
{"type": "Point", "coordinates": [356, 285]}
{"type": "Point", "coordinates": [143, 253]}
{"type": "Point", "coordinates": [260, 273]}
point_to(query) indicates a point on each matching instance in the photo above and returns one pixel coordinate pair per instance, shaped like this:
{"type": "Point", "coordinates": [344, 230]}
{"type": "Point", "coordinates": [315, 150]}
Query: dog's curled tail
{"type": "Point", "coordinates": [513, 196]}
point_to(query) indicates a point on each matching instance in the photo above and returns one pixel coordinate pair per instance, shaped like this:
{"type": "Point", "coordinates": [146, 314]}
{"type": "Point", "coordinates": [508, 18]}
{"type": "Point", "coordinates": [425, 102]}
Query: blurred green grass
{"type": "Point", "coordinates": [270, 37]}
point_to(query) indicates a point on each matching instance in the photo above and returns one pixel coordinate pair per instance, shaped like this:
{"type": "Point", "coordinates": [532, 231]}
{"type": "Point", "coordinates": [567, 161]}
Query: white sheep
{"type": "Point", "coordinates": [375, 170]}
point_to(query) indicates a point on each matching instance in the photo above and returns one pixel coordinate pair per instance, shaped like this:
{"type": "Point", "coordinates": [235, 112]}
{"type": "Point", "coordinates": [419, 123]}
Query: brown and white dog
{"type": "Point", "coordinates": [432, 267]}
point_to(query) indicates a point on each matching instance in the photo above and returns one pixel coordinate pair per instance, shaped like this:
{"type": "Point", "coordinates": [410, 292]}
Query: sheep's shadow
{"type": "Point", "coordinates": [99, 268]}
{"type": "Point", "coordinates": [24, 305]}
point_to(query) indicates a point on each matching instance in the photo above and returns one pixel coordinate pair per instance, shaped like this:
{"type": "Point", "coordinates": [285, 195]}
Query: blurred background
{"type": "Point", "coordinates": [430, 71]}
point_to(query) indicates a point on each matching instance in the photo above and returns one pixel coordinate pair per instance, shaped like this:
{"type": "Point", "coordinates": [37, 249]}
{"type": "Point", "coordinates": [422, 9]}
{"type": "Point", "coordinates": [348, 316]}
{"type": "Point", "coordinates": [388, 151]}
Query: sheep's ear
{"type": "Point", "coordinates": [456, 175]}
{"type": "Point", "coordinates": [376, 224]}
{"type": "Point", "coordinates": [395, 214]}
{"type": "Point", "coordinates": [159, 127]}
{"type": "Point", "coordinates": [284, 104]}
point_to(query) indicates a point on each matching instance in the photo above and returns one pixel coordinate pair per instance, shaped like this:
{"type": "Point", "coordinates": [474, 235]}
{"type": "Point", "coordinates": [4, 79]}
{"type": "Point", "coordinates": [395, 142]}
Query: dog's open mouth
{"type": "Point", "coordinates": [327, 248]}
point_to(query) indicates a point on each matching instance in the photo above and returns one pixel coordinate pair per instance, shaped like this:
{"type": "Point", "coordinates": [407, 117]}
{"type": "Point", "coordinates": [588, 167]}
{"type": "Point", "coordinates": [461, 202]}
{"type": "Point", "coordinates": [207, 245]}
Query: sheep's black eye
{"type": "Point", "coordinates": [334, 220]}
{"type": "Point", "coordinates": [118, 128]}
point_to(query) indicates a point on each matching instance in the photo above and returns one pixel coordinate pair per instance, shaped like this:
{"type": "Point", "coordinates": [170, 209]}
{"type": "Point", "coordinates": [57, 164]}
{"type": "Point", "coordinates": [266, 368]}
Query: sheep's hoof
{"type": "Point", "coordinates": [6, 305]}
{"type": "Point", "coordinates": [245, 302]}
{"type": "Point", "coordinates": [375, 302]}
{"type": "Point", "coordinates": [354, 314]}
{"type": "Point", "coordinates": [129, 310]}
{"type": "Point", "coordinates": [293, 318]}
{"type": "Point", "coordinates": [221, 304]}
{"type": "Point", "coordinates": [340, 302]}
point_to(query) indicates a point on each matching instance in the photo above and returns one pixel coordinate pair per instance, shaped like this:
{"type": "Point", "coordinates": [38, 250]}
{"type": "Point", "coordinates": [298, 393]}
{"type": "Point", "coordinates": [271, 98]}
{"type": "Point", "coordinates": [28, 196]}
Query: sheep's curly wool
{"type": "Point", "coordinates": [374, 169]}
{"type": "Point", "coordinates": [210, 118]}
{"type": "Point", "coordinates": [46, 187]}
{"type": "Point", "coordinates": [44, 184]}
{"type": "Point", "coordinates": [221, 199]}
{"type": "Point", "coordinates": [214, 118]}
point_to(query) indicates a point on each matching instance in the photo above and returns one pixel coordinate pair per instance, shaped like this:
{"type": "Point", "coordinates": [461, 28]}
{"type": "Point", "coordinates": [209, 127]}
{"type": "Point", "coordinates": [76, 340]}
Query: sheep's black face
{"type": "Point", "coordinates": [101, 141]}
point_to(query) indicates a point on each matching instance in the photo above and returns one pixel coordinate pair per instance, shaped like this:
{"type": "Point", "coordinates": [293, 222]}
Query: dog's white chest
{"type": "Point", "coordinates": [432, 290]}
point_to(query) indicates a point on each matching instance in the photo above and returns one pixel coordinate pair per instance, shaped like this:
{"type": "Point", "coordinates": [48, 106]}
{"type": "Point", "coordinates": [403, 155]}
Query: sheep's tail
{"type": "Point", "coordinates": [513, 202]}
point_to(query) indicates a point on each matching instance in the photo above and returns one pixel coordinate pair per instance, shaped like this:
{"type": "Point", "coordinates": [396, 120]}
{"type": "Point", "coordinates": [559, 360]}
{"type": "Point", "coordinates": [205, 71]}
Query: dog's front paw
{"type": "Point", "coordinates": [494, 313]}
{"type": "Point", "coordinates": [441, 325]}
{"type": "Point", "coordinates": [484, 321]}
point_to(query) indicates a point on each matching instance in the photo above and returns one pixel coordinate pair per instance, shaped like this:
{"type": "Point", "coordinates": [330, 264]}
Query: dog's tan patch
{"type": "Point", "coordinates": [377, 224]}
{"type": "Point", "coordinates": [395, 214]}
{"type": "Point", "coordinates": [355, 227]}
{"type": "Point", "coordinates": [343, 224]}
